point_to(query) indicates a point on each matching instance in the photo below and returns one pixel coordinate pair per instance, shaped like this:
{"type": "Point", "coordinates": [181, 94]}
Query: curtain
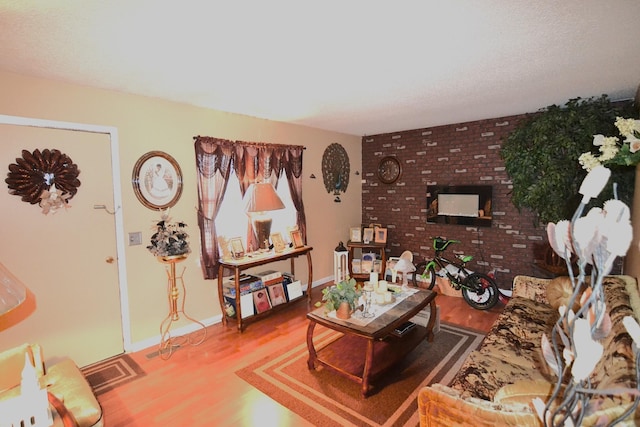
{"type": "Point", "coordinates": [251, 162]}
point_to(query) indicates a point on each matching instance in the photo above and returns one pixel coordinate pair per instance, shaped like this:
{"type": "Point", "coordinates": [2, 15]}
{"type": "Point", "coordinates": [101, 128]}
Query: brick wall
{"type": "Point", "coordinates": [458, 154]}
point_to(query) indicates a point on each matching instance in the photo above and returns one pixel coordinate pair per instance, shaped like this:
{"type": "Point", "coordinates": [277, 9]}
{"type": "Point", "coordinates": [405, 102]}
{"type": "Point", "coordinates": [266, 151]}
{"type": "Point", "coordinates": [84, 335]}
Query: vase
{"type": "Point", "coordinates": [344, 310]}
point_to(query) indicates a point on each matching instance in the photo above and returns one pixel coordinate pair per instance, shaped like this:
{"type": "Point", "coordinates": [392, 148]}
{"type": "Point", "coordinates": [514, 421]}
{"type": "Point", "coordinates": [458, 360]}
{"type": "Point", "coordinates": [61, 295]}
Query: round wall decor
{"type": "Point", "coordinates": [389, 170]}
{"type": "Point", "coordinates": [40, 171]}
{"type": "Point", "coordinates": [335, 169]}
{"type": "Point", "coordinates": [157, 180]}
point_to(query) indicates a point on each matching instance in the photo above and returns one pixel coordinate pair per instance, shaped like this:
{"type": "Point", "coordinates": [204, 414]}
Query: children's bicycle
{"type": "Point", "coordinates": [479, 290]}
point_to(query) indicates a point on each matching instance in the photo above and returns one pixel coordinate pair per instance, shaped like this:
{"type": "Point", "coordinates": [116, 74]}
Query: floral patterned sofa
{"type": "Point", "coordinates": [497, 382]}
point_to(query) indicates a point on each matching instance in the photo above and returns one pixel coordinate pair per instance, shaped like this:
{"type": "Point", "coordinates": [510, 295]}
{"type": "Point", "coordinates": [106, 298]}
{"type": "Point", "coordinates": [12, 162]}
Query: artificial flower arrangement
{"type": "Point", "coordinates": [614, 152]}
{"type": "Point", "coordinates": [596, 239]}
{"type": "Point", "coordinates": [170, 238]}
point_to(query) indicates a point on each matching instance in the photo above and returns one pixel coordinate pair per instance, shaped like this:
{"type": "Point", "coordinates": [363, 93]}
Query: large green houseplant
{"type": "Point", "coordinates": [541, 156]}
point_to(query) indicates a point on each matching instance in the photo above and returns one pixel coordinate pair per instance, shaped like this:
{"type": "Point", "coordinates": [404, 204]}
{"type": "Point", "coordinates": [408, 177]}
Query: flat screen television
{"type": "Point", "coordinates": [460, 204]}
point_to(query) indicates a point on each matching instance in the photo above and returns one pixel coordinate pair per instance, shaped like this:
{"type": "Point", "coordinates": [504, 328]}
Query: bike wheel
{"type": "Point", "coordinates": [423, 276]}
{"type": "Point", "coordinates": [480, 291]}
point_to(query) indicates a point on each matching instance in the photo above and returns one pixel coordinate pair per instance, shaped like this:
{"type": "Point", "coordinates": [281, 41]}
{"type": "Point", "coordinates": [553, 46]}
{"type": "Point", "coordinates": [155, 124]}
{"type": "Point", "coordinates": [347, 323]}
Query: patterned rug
{"type": "Point", "coordinates": [328, 399]}
{"type": "Point", "coordinates": [111, 373]}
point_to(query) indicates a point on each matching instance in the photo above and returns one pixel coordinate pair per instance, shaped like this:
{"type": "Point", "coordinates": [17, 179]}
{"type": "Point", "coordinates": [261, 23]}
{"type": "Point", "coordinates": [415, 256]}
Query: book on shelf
{"type": "Point", "coordinates": [294, 290]}
{"type": "Point", "coordinates": [269, 276]}
{"type": "Point", "coordinates": [261, 300]}
{"type": "Point", "coordinates": [356, 266]}
{"type": "Point", "coordinates": [277, 294]}
{"type": "Point", "coordinates": [366, 266]}
{"type": "Point", "coordinates": [403, 329]}
{"type": "Point", "coordinates": [247, 284]}
{"type": "Point", "coordinates": [246, 305]}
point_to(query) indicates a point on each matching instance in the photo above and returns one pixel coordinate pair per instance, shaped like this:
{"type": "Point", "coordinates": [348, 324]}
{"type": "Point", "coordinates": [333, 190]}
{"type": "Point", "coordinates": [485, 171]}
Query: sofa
{"type": "Point", "coordinates": [496, 384]}
{"type": "Point", "coordinates": [64, 380]}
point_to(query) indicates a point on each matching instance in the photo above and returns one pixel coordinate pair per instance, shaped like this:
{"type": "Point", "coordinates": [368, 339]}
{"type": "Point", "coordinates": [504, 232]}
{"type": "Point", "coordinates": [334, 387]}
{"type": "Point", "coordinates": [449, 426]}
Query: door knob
{"type": "Point", "coordinates": [109, 260]}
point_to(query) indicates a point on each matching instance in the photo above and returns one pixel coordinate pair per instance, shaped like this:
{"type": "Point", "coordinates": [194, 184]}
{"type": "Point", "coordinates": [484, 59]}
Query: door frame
{"type": "Point", "coordinates": [117, 202]}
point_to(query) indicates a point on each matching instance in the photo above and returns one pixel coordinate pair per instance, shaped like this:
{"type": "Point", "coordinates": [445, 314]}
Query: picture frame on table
{"type": "Point", "coordinates": [237, 248]}
{"type": "Point", "coordinates": [380, 235]}
{"type": "Point", "coordinates": [296, 238]}
{"type": "Point", "coordinates": [223, 243]}
{"type": "Point", "coordinates": [278, 242]}
{"type": "Point", "coordinates": [157, 180]}
{"type": "Point", "coordinates": [355, 234]}
{"type": "Point", "coordinates": [367, 235]}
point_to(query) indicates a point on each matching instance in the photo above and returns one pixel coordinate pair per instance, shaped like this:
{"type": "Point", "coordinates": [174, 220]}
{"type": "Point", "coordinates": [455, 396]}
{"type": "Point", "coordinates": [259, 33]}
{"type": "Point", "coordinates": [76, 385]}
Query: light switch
{"type": "Point", "coordinates": [135, 238]}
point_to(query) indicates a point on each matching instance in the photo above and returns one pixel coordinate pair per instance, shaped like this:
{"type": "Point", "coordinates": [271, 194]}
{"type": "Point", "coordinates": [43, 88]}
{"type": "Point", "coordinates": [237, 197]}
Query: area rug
{"type": "Point", "coordinates": [111, 373]}
{"type": "Point", "coordinates": [325, 398]}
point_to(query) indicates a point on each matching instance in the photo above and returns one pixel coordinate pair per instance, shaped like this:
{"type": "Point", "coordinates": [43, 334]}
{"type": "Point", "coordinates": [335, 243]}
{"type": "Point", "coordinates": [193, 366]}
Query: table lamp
{"type": "Point", "coordinates": [259, 199]}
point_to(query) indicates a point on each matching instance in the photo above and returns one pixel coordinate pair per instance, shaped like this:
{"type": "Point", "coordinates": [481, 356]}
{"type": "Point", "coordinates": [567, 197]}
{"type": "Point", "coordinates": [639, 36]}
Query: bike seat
{"type": "Point", "coordinates": [464, 258]}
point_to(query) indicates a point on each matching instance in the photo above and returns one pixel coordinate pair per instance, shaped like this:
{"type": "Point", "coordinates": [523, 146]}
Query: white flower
{"type": "Point", "coordinates": [588, 351]}
{"type": "Point", "coordinates": [609, 148]}
{"type": "Point", "coordinates": [627, 126]}
{"type": "Point", "coordinates": [588, 161]}
{"type": "Point", "coordinates": [559, 238]}
{"type": "Point", "coordinates": [585, 233]}
{"type": "Point", "coordinates": [594, 182]}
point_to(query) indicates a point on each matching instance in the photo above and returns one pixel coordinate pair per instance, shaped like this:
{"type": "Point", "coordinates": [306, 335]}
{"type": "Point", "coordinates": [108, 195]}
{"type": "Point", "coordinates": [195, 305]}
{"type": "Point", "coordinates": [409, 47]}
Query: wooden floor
{"type": "Point", "coordinates": [198, 386]}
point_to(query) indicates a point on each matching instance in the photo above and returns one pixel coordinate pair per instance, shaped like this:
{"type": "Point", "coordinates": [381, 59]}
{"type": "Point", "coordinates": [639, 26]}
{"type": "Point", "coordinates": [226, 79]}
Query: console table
{"type": "Point", "coordinates": [246, 262]}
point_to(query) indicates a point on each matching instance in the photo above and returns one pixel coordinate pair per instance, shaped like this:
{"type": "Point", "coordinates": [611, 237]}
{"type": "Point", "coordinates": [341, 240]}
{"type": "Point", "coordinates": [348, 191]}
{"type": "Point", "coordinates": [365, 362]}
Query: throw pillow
{"type": "Point", "coordinates": [559, 291]}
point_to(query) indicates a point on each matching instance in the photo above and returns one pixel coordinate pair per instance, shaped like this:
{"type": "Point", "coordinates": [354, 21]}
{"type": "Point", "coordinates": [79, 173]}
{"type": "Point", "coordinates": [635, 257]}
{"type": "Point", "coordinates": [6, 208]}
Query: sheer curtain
{"type": "Point", "coordinates": [251, 162]}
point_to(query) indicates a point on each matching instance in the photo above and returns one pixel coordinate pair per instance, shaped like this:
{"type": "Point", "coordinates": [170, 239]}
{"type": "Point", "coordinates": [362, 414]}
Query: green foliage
{"type": "Point", "coordinates": [541, 156]}
{"type": "Point", "coordinates": [347, 290]}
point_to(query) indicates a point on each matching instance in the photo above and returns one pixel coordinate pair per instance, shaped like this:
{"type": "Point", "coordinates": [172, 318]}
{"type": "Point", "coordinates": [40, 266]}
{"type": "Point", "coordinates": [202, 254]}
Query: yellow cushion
{"type": "Point", "coordinates": [524, 392]}
{"type": "Point", "coordinates": [65, 381]}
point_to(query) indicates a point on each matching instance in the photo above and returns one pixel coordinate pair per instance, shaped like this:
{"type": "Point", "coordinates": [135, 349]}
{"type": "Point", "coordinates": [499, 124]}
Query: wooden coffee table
{"type": "Point", "coordinates": [364, 353]}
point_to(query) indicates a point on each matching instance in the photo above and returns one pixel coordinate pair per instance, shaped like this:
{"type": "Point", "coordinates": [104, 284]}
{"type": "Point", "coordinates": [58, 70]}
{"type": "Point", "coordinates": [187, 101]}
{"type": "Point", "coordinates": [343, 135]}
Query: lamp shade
{"type": "Point", "coordinates": [12, 291]}
{"type": "Point", "coordinates": [262, 197]}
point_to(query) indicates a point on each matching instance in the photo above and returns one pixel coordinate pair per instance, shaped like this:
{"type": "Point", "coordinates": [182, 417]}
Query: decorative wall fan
{"type": "Point", "coordinates": [335, 169]}
{"type": "Point", "coordinates": [43, 174]}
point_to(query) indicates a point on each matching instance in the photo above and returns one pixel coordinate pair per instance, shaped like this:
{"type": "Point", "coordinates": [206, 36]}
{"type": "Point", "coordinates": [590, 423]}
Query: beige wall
{"type": "Point", "coordinates": [146, 124]}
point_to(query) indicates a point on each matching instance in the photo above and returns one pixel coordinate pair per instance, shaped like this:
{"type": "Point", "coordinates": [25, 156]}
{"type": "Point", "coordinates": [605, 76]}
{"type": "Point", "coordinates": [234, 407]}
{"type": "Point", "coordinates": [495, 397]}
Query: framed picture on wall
{"type": "Point", "coordinates": [157, 180]}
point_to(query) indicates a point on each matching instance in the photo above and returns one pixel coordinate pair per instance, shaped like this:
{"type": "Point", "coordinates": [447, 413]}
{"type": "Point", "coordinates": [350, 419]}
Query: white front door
{"type": "Point", "coordinates": [68, 259]}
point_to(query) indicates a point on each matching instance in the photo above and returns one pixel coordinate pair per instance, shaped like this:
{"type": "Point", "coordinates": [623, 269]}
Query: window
{"type": "Point", "coordinates": [232, 220]}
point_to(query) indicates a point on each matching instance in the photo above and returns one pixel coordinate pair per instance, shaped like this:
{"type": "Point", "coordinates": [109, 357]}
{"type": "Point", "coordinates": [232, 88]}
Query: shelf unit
{"type": "Point", "coordinates": [245, 263]}
{"type": "Point", "coordinates": [370, 247]}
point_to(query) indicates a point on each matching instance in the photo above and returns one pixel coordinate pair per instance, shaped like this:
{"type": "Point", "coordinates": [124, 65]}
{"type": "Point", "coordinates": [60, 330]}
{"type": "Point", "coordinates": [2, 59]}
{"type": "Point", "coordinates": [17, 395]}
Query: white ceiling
{"type": "Point", "coordinates": [358, 67]}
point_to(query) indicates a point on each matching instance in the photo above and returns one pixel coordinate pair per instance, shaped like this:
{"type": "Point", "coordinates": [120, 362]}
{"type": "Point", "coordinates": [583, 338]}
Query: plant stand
{"type": "Point", "coordinates": [167, 342]}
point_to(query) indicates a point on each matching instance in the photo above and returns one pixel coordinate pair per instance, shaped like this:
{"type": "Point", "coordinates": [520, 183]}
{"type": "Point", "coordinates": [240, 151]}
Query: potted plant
{"type": "Point", "coordinates": [541, 154]}
{"type": "Point", "coordinates": [342, 297]}
{"type": "Point", "coordinates": [170, 241]}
